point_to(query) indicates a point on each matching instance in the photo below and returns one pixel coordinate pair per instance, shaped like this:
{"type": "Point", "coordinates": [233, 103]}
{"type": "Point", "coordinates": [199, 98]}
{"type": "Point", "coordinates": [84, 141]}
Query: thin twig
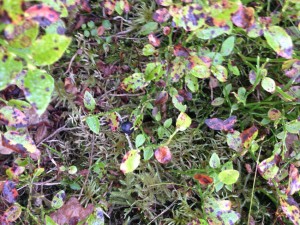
{"type": "Point", "coordinates": [138, 94]}
{"type": "Point", "coordinates": [56, 132]}
{"type": "Point", "coordinates": [163, 212]}
{"type": "Point", "coordinates": [91, 156]}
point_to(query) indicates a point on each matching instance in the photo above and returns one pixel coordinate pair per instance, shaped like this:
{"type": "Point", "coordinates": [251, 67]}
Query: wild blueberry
{"type": "Point", "coordinates": [126, 127]}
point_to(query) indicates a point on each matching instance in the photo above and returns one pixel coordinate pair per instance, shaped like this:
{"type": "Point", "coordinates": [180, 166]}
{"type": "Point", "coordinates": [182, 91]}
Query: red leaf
{"type": "Point", "coordinates": [85, 5]}
{"type": "Point", "coordinates": [153, 40]}
{"type": "Point", "coordinates": [9, 192]}
{"type": "Point", "coordinates": [294, 180]}
{"type": "Point", "coordinates": [43, 14]}
{"type": "Point", "coordinates": [219, 124]}
{"type": "Point", "coordinates": [203, 179]}
{"type": "Point", "coordinates": [162, 98]}
{"type": "Point", "coordinates": [179, 50]}
{"type": "Point", "coordinates": [244, 17]}
{"type": "Point", "coordinates": [163, 154]}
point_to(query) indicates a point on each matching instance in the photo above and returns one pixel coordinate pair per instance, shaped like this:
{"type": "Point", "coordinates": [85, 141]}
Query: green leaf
{"type": "Point", "coordinates": [293, 127]}
{"type": "Point", "coordinates": [13, 117]}
{"type": "Point", "coordinates": [75, 186]}
{"type": "Point", "coordinates": [211, 32]}
{"type": "Point", "coordinates": [229, 176]}
{"type": "Point", "coordinates": [9, 68]}
{"type": "Point", "coordinates": [130, 161]}
{"type": "Point", "coordinates": [217, 101]}
{"type": "Point", "coordinates": [58, 200]}
{"type": "Point", "coordinates": [13, 8]}
{"type": "Point", "coordinates": [139, 140]}
{"type": "Point", "coordinates": [38, 87]}
{"type": "Point", "coordinates": [148, 153]}
{"type": "Point", "coordinates": [268, 168]}
{"type": "Point", "coordinates": [93, 123]}
{"type": "Point", "coordinates": [220, 72]}
{"type": "Point", "coordinates": [148, 50]}
{"type": "Point", "coordinates": [89, 101]}
{"type": "Point", "coordinates": [19, 104]}
{"type": "Point", "coordinates": [49, 221]}
{"type": "Point", "coordinates": [192, 83]}
{"type": "Point", "coordinates": [72, 170]}
{"type": "Point", "coordinates": [168, 123]}
{"type": "Point", "coordinates": [227, 46]}
{"type": "Point", "coordinates": [214, 161]}
{"type": "Point", "coordinates": [38, 171]}
{"type": "Point", "coordinates": [280, 41]}
{"type": "Point", "coordinates": [154, 71]}
{"type": "Point", "coordinates": [268, 84]}
{"type": "Point", "coordinates": [49, 48]}
{"type": "Point", "coordinates": [148, 28]}
{"type": "Point", "coordinates": [183, 122]}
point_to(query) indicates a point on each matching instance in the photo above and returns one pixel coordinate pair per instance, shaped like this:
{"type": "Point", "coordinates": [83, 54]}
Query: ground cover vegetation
{"type": "Point", "coordinates": [149, 112]}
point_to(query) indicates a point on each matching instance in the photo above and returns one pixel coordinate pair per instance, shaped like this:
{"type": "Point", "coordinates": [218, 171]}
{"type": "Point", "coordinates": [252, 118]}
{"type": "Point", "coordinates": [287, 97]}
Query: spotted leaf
{"type": "Point", "coordinates": [179, 50]}
{"type": "Point", "coordinates": [220, 72]}
{"type": "Point", "coordinates": [113, 121]}
{"type": "Point", "coordinates": [163, 154]}
{"type": "Point", "coordinates": [38, 88]}
{"type": "Point", "coordinates": [89, 101]}
{"type": "Point", "coordinates": [109, 6]}
{"type": "Point", "coordinates": [58, 199]}
{"type": "Point", "coordinates": [291, 69]}
{"type": "Point", "coordinates": [268, 84]}
{"type": "Point", "coordinates": [134, 82]}
{"type": "Point", "coordinates": [248, 135]}
{"type": "Point", "coordinates": [244, 17]}
{"type": "Point", "coordinates": [219, 212]}
{"type": "Point", "coordinates": [13, 213]}
{"type": "Point", "coordinates": [279, 41]}
{"type": "Point", "coordinates": [199, 67]}
{"type": "Point", "coordinates": [9, 191]}
{"type": "Point", "coordinates": [130, 161]}
{"type": "Point", "coordinates": [43, 14]}
{"type": "Point", "coordinates": [212, 32]}
{"type": "Point", "coordinates": [234, 141]}
{"type": "Point", "coordinates": [294, 180]}
{"type": "Point", "coordinates": [161, 15]}
{"type": "Point", "coordinates": [19, 142]}
{"type": "Point", "coordinates": [290, 208]}
{"type": "Point", "coordinates": [178, 70]}
{"type": "Point", "coordinates": [13, 117]}
{"type": "Point", "coordinates": [189, 17]}
{"type": "Point", "coordinates": [11, 10]}
{"type": "Point", "coordinates": [49, 48]}
{"type": "Point", "coordinates": [153, 40]}
{"type": "Point", "coordinates": [268, 168]}
{"type": "Point", "coordinates": [9, 68]}
{"type": "Point", "coordinates": [183, 122]}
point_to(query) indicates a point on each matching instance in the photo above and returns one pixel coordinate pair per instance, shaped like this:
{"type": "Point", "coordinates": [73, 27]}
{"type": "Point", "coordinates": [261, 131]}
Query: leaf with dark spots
{"type": "Point", "coordinates": [178, 69]}
{"type": "Point", "coordinates": [19, 142]}
{"type": "Point", "coordinates": [290, 208]}
{"type": "Point", "coordinates": [294, 180]}
{"type": "Point", "coordinates": [161, 15]}
{"type": "Point", "coordinates": [219, 124]}
{"type": "Point", "coordinates": [279, 41]}
{"type": "Point", "coordinates": [12, 213]}
{"type": "Point", "coordinates": [85, 5]}
{"type": "Point", "coordinates": [38, 88]}
{"type": "Point", "coordinates": [219, 212]}
{"type": "Point", "coordinates": [163, 154]}
{"type": "Point", "coordinates": [11, 11]}
{"type": "Point", "coordinates": [244, 17]}
{"type": "Point", "coordinates": [291, 69]}
{"type": "Point", "coordinates": [268, 168]}
{"type": "Point", "coordinates": [179, 50]}
{"type": "Point", "coordinates": [162, 98]}
{"type": "Point", "coordinates": [9, 191]}
{"type": "Point", "coordinates": [13, 117]}
{"type": "Point", "coordinates": [248, 135]}
{"type": "Point", "coordinates": [43, 14]}
{"type": "Point", "coordinates": [164, 2]}
{"type": "Point", "coordinates": [189, 17]}
{"type": "Point", "coordinates": [153, 40]}
{"type": "Point", "coordinates": [203, 179]}
{"type": "Point", "coordinates": [134, 82]}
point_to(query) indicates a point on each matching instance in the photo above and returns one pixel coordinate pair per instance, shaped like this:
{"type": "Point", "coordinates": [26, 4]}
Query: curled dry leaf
{"type": "Point", "coordinates": [163, 154]}
{"type": "Point", "coordinates": [71, 211]}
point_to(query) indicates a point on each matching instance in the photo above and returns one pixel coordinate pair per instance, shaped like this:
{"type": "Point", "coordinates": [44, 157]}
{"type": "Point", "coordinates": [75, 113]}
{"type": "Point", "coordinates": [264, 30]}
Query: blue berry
{"type": "Point", "coordinates": [126, 127]}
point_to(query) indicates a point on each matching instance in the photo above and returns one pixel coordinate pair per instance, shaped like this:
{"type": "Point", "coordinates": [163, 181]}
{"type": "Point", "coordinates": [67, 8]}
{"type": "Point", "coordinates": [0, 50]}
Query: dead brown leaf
{"type": "Point", "coordinates": [71, 212]}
